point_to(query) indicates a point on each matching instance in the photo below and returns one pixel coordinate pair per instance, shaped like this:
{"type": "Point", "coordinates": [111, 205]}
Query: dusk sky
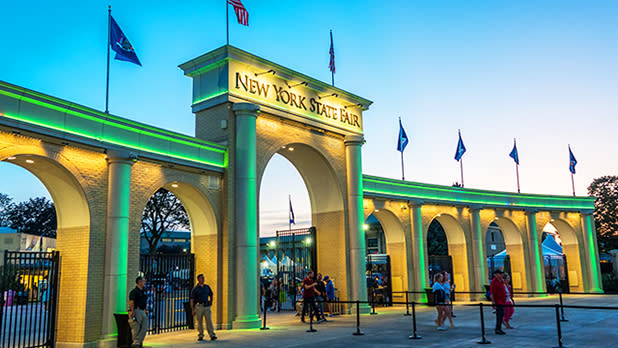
{"type": "Point", "coordinates": [544, 72]}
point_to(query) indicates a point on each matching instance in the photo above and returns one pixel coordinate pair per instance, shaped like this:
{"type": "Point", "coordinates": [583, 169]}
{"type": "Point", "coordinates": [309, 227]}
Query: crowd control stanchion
{"type": "Point", "coordinates": [414, 335]}
{"type": "Point", "coordinates": [562, 308]}
{"type": "Point", "coordinates": [407, 307]}
{"type": "Point", "coordinates": [373, 303]}
{"type": "Point", "coordinates": [358, 331]}
{"type": "Point", "coordinates": [559, 329]}
{"type": "Point", "coordinates": [311, 329]}
{"type": "Point", "coordinates": [483, 339]}
{"type": "Point", "coordinates": [264, 319]}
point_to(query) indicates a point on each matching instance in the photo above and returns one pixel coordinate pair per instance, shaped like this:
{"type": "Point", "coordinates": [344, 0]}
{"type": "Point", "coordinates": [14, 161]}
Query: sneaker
{"type": "Point", "coordinates": [453, 315]}
{"type": "Point", "coordinates": [200, 338]}
{"type": "Point", "coordinates": [442, 328]}
{"type": "Point", "coordinates": [330, 315]}
{"type": "Point", "coordinates": [213, 338]}
{"type": "Point", "coordinates": [500, 332]}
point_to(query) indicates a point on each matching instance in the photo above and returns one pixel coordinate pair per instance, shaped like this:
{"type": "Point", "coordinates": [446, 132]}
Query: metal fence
{"type": "Point", "coordinates": [29, 288]}
{"type": "Point", "coordinates": [169, 280]}
{"type": "Point", "coordinates": [296, 254]}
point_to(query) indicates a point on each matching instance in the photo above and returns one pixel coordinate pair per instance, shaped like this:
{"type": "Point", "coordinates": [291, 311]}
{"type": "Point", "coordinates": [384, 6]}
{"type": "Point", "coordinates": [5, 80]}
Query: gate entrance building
{"type": "Point", "coordinates": [101, 170]}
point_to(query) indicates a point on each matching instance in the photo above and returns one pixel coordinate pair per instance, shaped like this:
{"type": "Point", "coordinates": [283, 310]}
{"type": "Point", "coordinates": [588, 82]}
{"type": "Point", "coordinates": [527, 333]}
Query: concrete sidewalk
{"type": "Point", "coordinates": [534, 327]}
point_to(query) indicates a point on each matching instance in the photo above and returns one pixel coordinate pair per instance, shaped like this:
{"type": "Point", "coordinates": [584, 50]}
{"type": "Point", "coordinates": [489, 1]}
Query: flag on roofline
{"type": "Point", "coordinates": [403, 138]}
{"type": "Point", "coordinates": [121, 45]}
{"type": "Point", "coordinates": [461, 148]}
{"type": "Point", "coordinates": [514, 155]}
{"type": "Point", "coordinates": [572, 161]}
{"type": "Point", "coordinates": [331, 52]}
{"type": "Point", "coordinates": [241, 12]}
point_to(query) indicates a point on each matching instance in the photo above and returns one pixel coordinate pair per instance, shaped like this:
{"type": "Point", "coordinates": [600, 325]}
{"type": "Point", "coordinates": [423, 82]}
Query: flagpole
{"type": "Point", "coordinates": [289, 212]}
{"type": "Point", "coordinates": [517, 174]}
{"type": "Point", "coordinates": [573, 183]}
{"type": "Point", "coordinates": [109, 42]}
{"type": "Point", "coordinates": [461, 169]}
{"type": "Point", "coordinates": [227, 23]}
{"type": "Point", "coordinates": [403, 177]}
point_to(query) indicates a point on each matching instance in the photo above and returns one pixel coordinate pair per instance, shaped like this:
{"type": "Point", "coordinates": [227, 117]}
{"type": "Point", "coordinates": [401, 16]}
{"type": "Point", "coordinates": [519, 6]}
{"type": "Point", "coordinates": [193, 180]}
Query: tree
{"type": "Point", "coordinates": [163, 213]}
{"type": "Point", "coordinates": [35, 216]}
{"type": "Point", "coordinates": [5, 204]}
{"type": "Point", "coordinates": [605, 189]}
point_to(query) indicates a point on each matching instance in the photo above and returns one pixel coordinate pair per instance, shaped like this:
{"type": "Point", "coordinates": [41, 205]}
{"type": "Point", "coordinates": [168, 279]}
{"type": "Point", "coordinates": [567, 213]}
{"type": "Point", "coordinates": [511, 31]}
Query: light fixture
{"type": "Point", "coordinates": [184, 250]}
{"type": "Point", "coordinates": [496, 218]}
{"type": "Point", "coordinates": [296, 85]}
{"type": "Point", "coordinates": [11, 158]}
{"type": "Point", "coordinates": [365, 227]}
{"type": "Point", "coordinates": [328, 96]}
{"type": "Point", "coordinates": [552, 220]}
{"type": "Point", "coordinates": [291, 148]}
{"type": "Point", "coordinates": [377, 210]}
{"type": "Point", "coordinates": [272, 244]}
{"type": "Point", "coordinates": [174, 185]}
{"type": "Point", "coordinates": [283, 147]}
{"type": "Point", "coordinates": [350, 105]}
{"type": "Point", "coordinates": [404, 206]}
{"type": "Point", "coordinates": [308, 241]}
{"type": "Point", "coordinates": [29, 161]}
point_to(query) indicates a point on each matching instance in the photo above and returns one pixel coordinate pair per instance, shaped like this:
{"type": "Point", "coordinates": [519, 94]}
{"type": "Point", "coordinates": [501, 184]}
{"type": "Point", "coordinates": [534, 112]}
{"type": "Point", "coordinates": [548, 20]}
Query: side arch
{"type": "Point", "coordinates": [515, 248]}
{"type": "Point", "coordinates": [395, 247]}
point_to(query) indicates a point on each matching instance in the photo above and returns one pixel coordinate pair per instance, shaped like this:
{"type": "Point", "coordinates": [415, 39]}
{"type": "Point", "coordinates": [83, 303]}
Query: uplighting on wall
{"type": "Point", "coordinates": [265, 72]}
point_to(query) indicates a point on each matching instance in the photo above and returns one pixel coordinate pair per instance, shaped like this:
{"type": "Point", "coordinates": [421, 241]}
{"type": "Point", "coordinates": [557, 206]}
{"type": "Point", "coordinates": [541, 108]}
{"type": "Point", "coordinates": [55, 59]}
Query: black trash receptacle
{"type": "Point", "coordinates": [124, 330]}
{"type": "Point", "coordinates": [189, 317]}
{"type": "Point", "coordinates": [431, 301]}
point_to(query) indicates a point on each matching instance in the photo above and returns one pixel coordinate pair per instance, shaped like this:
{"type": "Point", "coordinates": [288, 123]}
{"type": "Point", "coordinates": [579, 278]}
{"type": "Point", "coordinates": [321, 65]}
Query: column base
{"type": "Point", "coordinates": [247, 322]}
{"type": "Point", "coordinates": [76, 345]}
{"type": "Point", "coordinates": [107, 341]}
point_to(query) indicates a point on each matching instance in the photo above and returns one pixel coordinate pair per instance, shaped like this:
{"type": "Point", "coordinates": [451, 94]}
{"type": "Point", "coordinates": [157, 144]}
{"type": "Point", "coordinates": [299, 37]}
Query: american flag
{"type": "Point", "coordinates": [331, 65]}
{"type": "Point", "coordinates": [241, 11]}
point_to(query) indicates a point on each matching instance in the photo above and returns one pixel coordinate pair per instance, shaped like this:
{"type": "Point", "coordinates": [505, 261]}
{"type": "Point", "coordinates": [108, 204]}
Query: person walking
{"type": "Point", "coordinates": [308, 287]}
{"type": "Point", "coordinates": [320, 295]}
{"type": "Point", "coordinates": [274, 294]}
{"type": "Point", "coordinates": [201, 301]}
{"type": "Point", "coordinates": [439, 298]}
{"type": "Point", "coordinates": [446, 286]}
{"type": "Point", "coordinates": [508, 311]}
{"type": "Point", "coordinates": [138, 315]}
{"type": "Point", "coordinates": [330, 294]}
{"type": "Point", "coordinates": [498, 299]}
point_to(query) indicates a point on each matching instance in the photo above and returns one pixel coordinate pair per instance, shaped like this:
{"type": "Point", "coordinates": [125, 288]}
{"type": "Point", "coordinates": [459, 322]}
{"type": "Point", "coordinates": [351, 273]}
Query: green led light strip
{"type": "Point", "coordinates": [115, 142]}
{"type": "Point", "coordinates": [431, 194]}
{"type": "Point", "coordinates": [155, 132]}
{"type": "Point", "coordinates": [209, 97]}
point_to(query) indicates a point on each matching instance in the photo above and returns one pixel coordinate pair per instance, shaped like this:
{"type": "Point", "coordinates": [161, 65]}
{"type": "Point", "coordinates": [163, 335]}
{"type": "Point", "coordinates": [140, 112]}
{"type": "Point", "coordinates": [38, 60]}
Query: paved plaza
{"type": "Point", "coordinates": [534, 327]}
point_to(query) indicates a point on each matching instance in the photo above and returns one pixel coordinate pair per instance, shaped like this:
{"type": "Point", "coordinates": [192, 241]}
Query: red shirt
{"type": "Point", "coordinates": [498, 292]}
{"type": "Point", "coordinates": [308, 292]}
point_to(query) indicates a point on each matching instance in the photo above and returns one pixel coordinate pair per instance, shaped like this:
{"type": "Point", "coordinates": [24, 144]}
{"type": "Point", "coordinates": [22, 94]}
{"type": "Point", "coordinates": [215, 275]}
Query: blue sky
{"type": "Point", "coordinates": [542, 71]}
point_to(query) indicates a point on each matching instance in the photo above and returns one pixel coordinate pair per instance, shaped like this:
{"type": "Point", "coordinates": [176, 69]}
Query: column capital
{"type": "Point", "coordinates": [120, 156]}
{"type": "Point", "coordinates": [531, 211]}
{"type": "Point", "coordinates": [246, 109]}
{"type": "Point", "coordinates": [586, 211]}
{"type": "Point", "coordinates": [353, 140]}
{"type": "Point", "coordinates": [475, 207]}
{"type": "Point", "coordinates": [416, 203]}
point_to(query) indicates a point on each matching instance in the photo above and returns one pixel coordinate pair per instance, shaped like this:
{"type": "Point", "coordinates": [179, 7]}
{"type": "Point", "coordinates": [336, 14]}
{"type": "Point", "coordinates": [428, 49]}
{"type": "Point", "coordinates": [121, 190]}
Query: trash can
{"type": "Point", "coordinates": [189, 315]}
{"type": "Point", "coordinates": [430, 298]}
{"type": "Point", "coordinates": [124, 330]}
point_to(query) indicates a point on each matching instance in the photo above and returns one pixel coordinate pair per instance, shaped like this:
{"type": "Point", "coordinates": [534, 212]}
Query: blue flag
{"type": "Point", "coordinates": [121, 45]}
{"type": "Point", "coordinates": [514, 155]}
{"type": "Point", "coordinates": [461, 148]}
{"type": "Point", "coordinates": [403, 138]}
{"type": "Point", "coordinates": [291, 214]}
{"type": "Point", "coordinates": [572, 161]}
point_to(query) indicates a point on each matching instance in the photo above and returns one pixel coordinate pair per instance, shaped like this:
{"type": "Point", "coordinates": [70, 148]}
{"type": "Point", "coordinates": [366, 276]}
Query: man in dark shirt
{"type": "Point", "coordinates": [201, 300]}
{"type": "Point", "coordinates": [309, 285]}
{"type": "Point", "coordinates": [138, 315]}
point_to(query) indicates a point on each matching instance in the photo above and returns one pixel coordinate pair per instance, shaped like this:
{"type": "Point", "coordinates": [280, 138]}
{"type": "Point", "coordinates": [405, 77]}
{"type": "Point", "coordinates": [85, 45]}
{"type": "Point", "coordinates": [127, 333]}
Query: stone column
{"type": "Point", "coordinates": [536, 267]}
{"type": "Point", "coordinates": [419, 272]}
{"type": "Point", "coordinates": [594, 282]}
{"type": "Point", "coordinates": [356, 235]}
{"type": "Point", "coordinates": [479, 279]}
{"type": "Point", "coordinates": [245, 218]}
{"type": "Point", "coordinates": [116, 242]}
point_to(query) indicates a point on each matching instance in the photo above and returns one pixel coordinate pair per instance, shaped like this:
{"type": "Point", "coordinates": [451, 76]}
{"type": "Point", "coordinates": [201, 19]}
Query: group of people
{"type": "Point", "coordinates": [443, 295]}
{"type": "Point", "coordinates": [201, 302]}
{"type": "Point", "coordinates": [501, 293]}
{"type": "Point", "coordinates": [316, 292]}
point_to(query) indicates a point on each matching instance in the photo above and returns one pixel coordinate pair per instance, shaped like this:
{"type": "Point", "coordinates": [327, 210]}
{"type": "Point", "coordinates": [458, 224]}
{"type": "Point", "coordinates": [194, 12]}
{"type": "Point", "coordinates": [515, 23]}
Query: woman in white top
{"type": "Point", "coordinates": [446, 285]}
{"type": "Point", "coordinates": [439, 296]}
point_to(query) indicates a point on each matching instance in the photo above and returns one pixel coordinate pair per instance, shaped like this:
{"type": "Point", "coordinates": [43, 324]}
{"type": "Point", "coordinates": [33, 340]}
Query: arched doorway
{"type": "Point", "coordinates": [555, 260]}
{"type": "Point", "coordinates": [447, 250]}
{"type": "Point", "coordinates": [496, 251]}
{"type": "Point", "coordinates": [505, 251]}
{"type": "Point", "coordinates": [73, 241]}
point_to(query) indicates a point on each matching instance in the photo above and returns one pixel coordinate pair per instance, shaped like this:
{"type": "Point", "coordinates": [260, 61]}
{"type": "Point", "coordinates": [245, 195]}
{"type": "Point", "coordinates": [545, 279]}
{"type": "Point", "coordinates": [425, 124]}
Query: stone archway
{"type": "Point", "coordinates": [457, 248]}
{"type": "Point", "coordinates": [571, 247]}
{"type": "Point", "coordinates": [515, 249]}
{"type": "Point", "coordinates": [395, 248]}
{"type": "Point", "coordinates": [74, 237]}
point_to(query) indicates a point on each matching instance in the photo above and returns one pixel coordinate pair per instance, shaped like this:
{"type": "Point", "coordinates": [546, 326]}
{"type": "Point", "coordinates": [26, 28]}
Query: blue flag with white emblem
{"type": "Point", "coordinates": [572, 161]}
{"type": "Point", "coordinates": [514, 155]}
{"type": "Point", "coordinates": [403, 138]}
{"type": "Point", "coordinates": [121, 45]}
{"type": "Point", "coordinates": [461, 148]}
{"type": "Point", "coordinates": [291, 213]}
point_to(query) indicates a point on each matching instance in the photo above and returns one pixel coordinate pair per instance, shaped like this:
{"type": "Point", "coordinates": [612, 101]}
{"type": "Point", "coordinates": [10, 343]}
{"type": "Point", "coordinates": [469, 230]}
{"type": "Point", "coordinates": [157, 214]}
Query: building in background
{"type": "Point", "coordinates": [12, 240]}
{"type": "Point", "coordinates": [172, 242]}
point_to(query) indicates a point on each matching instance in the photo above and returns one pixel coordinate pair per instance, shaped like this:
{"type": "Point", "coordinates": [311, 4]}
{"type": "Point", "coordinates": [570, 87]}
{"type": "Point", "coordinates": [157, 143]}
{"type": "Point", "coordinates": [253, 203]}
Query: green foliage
{"type": "Point", "coordinates": [605, 189]}
{"type": "Point", "coordinates": [5, 204]}
{"type": "Point", "coordinates": [35, 216]}
{"type": "Point", "coordinates": [437, 244]}
{"type": "Point", "coordinates": [163, 213]}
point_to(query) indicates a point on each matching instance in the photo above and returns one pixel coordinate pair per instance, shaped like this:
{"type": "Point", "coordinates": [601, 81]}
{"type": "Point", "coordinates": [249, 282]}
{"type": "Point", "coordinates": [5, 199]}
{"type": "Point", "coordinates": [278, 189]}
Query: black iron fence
{"type": "Point", "coordinates": [169, 280]}
{"type": "Point", "coordinates": [29, 288]}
